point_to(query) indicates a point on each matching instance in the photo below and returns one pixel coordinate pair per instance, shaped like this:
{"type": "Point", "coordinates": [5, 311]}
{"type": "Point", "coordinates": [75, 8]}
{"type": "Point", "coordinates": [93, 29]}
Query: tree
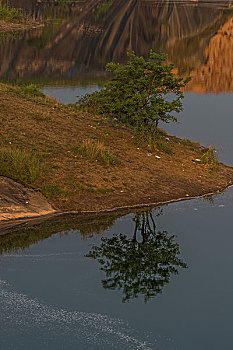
{"type": "Point", "coordinates": [140, 265]}
{"type": "Point", "coordinates": [141, 93]}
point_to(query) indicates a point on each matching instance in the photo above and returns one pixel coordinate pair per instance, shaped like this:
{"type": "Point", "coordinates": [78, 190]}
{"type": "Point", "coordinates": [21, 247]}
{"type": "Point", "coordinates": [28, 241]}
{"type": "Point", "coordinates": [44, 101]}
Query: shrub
{"type": "Point", "coordinates": [210, 158]}
{"type": "Point", "coordinates": [141, 93]}
{"type": "Point", "coordinates": [33, 90]}
{"type": "Point", "coordinates": [103, 9]}
{"type": "Point", "coordinates": [9, 14]}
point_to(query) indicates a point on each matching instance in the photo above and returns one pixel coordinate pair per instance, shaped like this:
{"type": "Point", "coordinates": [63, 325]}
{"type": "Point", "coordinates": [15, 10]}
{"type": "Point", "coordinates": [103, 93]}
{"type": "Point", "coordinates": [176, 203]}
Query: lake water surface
{"type": "Point", "coordinates": [53, 296]}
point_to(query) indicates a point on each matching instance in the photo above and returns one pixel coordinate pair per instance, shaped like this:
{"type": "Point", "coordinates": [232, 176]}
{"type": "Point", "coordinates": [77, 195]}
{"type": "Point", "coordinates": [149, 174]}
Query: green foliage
{"type": "Point", "coordinates": [210, 159]}
{"type": "Point", "coordinates": [33, 90]}
{"type": "Point", "coordinates": [103, 8]}
{"type": "Point", "coordinates": [20, 165]}
{"type": "Point", "coordinates": [162, 146]}
{"type": "Point", "coordinates": [6, 36]}
{"type": "Point", "coordinates": [54, 191]}
{"type": "Point", "coordinates": [191, 145]}
{"type": "Point", "coordinates": [10, 14]}
{"type": "Point", "coordinates": [138, 265]}
{"type": "Point", "coordinates": [141, 93]}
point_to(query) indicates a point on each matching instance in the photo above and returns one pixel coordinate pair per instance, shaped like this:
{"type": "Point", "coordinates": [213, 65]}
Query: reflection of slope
{"type": "Point", "coordinates": [216, 74]}
{"type": "Point", "coordinates": [63, 329]}
{"type": "Point", "coordinates": [83, 45]}
{"type": "Point", "coordinates": [140, 25]}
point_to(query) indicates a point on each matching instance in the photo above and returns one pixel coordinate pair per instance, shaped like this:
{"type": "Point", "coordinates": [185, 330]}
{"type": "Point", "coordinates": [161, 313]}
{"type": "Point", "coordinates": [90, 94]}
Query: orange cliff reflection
{"type": "Point", "coordinates": [198, 41]}
{"type": "Point", "coordinates": [216, 74]}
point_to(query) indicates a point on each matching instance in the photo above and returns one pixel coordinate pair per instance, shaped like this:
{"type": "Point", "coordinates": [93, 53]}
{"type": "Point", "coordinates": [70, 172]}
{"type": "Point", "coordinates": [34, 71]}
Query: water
{"type": "Point", "coordinates": [51, 295]}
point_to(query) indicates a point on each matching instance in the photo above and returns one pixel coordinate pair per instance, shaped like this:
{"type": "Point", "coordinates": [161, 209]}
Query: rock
{"type": "Point", "coordinates": [17, 201]}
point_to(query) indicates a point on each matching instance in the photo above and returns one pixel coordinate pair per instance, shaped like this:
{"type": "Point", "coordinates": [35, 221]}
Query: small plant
{"type": "Point", "coordinates": [210, 159]}
{"type": "Point", "coordinates": [142, 93]}
{"type": "Point", "coordinates": [20, 165]}
{"type": "Point", "coordinates": [191, 145]}
{"type": "Point", "coordinates": [10, 14]}
{"type": "Point", "coordinates": [33, 90]}
{"type": "Point", "coordinates": [96, 150]}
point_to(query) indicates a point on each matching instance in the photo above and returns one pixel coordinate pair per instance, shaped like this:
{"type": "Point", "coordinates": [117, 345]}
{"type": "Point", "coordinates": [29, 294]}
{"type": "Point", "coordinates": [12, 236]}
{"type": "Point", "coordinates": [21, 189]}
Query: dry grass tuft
{"type": "Point", "coordinates": [20, 165]}
{"type": "Point", "coordinates": [96, 150]}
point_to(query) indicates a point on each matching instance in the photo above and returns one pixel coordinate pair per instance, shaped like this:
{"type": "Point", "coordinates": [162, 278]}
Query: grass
{"type": "Point", "coordinates": [54, 191]}
{"type": "Point", "coordinates": [20, 165]}
{"type": "Point", "coordinates": [161, 146]}
{"type": "Point", "coordinates": [103, 9]}
{"type": "Point", "coordinates": [10, 14]}
{"type": "Point", "coordinates": [191, 145]}
{"type": "Point", "coordinates": [80, 187]}
{"type": "Point", "coordinates": [32, 90]}
{"type": "Point", "coordinates": [95, 150]}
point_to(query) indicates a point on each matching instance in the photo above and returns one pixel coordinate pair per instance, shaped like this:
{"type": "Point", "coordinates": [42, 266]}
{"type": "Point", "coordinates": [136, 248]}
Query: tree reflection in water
{"type": "Point", "coordinates": [142, 264]}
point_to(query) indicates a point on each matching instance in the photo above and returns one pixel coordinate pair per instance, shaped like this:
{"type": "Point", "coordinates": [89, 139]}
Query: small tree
{"type": "Point", "coordinates": [141, 93]}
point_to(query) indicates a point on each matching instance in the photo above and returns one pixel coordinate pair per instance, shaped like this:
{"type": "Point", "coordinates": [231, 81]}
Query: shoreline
{"type": "Point", "coordinates": [12, 225]}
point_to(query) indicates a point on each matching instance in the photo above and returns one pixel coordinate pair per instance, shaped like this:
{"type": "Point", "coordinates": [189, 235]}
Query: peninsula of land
{"type": "Point", "coordinates": [84, 163]}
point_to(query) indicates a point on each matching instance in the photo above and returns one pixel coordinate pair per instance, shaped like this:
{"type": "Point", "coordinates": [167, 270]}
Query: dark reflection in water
{"type": "Point", "coordinates": [142, 264]}
{"type": "Point", "coordinates": [15, 238]}
{"type": "Point", "coordinates": [196, 35]}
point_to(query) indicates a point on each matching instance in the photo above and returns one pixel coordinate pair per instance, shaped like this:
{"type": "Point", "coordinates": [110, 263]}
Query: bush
{"type": "Point", "coordinates": [141, 93]}
{"type": "Point", "coordinates": [210, 158]}
{"type": "Point", "coordinates": [9, 14]}
{"type": "Point", "coordinates": [33, 90]}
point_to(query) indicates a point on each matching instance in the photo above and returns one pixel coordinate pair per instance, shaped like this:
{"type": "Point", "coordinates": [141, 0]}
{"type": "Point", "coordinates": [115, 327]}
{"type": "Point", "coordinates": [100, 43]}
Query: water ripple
{"type": "Point", "coordinates": [24, 314]}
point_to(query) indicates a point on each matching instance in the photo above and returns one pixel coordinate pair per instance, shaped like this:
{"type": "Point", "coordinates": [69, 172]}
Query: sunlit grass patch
{"type": "Point", "coordinates": [20, 165]}
{"type": "Point", "coordinates": [96, 150]}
